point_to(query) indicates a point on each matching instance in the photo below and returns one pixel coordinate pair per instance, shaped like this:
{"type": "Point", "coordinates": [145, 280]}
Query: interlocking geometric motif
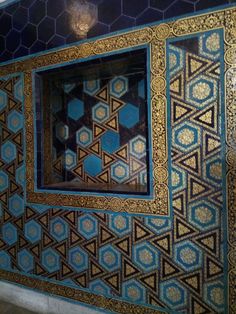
{"type": "Point", "coordinates": [174, 263]}
{"type": "Point", "coordinates": [99, 132]}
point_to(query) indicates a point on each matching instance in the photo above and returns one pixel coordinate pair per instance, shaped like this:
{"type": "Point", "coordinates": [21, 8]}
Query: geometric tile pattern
{"type": "Point", "coordinates": [104, 134]}
{"type": "Point", "coordinates": [172, 263]}
{"type": "Point", "coordinates": [32, 26]}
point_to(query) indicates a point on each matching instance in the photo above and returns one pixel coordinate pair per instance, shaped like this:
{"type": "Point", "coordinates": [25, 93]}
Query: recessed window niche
{"type": "Point", "coordinates": [92, 125]}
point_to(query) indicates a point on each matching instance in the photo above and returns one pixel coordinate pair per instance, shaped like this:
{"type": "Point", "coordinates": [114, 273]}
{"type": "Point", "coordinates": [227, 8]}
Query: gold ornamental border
{"type": "Point", "coordinates": [155, 36]}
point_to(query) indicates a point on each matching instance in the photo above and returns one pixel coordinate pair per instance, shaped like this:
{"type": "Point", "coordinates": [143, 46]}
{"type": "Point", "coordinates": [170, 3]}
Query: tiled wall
{"type": "Point", "coordinates": [30, 26]}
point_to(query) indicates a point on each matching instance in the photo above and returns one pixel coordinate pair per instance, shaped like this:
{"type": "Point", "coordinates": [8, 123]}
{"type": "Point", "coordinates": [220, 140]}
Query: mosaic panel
{"type": "Point", "coordinates": [176, 263]}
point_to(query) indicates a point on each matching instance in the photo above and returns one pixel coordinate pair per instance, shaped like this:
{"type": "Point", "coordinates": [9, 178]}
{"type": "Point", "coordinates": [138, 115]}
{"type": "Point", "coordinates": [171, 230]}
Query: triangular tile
{"type": "Point", "coordinates": [150, 281]}
{"type": "Point", "coordinates": [113, 281]}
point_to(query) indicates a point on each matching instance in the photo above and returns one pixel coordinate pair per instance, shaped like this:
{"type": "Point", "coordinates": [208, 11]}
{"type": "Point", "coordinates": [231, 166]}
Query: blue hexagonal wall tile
{"type": "Point", "coordinates": [92, 165]}
{"type": "Point", "coordinates": [100, 112]}
{"type": "Point", "coordinates": [119, 171]}
{"type": "Point", "coordinates": [214, 295]}
{"type": "Point", "coordinates": [176, 59]}
{"type": "Point", "coordinates": [91, 87]}
{"type": "Point", "coordinates": [209, 45]}
{"type": "Point", "coordinates": [20, 175]}
{"type": "Point", "coordinates": [213, 171]}
{"type": "Point", "coordinates": [186, 137]}
{"type": "Point", "coordinates": [16, 205]}
{"type": "Point", "coordinates": [15, 121]}
{"type": "Point", "coordinates": [50, 260]}
{"type": "Point", "coordinates": [78, 259]}
{"type": "Point", "coordinates": [134, 291]}
{"type": "Point", "coordinates": [158, 225]}
{"type": "Point", "coordinates": [84, 136]}
{"type": "Point", "coordinates": [188, 256]}
{"type": "Point", "coordinates": [59, 229]}
{"type": "Point", "coordinates": [173, 294]}
{"type": "Point", "coordinates": [178, 178]}
{"type": "Point", "coordinates": [33, 231]}
{"type": "Point", "coordinates": [75, 109]}
{"type": "Point", "coordinates": [129, 115]}
{"type": "Point", "coordinates": [3, 99]}
{"type": "Point", "coordinates": [109, 257]}
{"type": "Point", "coordinates": [8, 152]}
{"type": "Point", "coordinates": [70, 159]}
{"type": "Point", "coordinates": [9, 233]}
{"type": "Point", "coordinates": [25, 260]}
{"type": "Point", "coordinates": [120, 224]}
{"type": "Point", "coordinates": [3, 181]}
{"type": "Point", "coordinates": [87, 226]}
{"type": "Point", "coordinates": [146, 256]}
{"type": "Point", "coordinates": [118, 86]}
{"type": "Point", "coordinates": [5, 260]}
{"type": "Point", "coordinates": [110, 141]}
{"type": "Point", "coordinates": [138, 146]}
{"type": "Point", "coordinates": [99, 287]}
{"type": "Point", "coordinates": [62, 131]}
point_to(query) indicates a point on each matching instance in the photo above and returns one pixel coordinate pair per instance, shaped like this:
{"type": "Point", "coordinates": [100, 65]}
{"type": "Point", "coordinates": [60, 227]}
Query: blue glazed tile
{"type": "Point", "coordinates": [98, 29]}
{"type": "Point", "coordinates": [46, 29]}
{"type": "Point", "coordinates": [54, 8]}
{"type": "Point", "coordinates": [161, 5]}
{"type": "Point", "coordinates": [134, 7]}
{"type": "Point", "coordinates": [37, 12]}
{"type": "Point", "coordinates": [204, 4]}
{"type": "Point", "coordinates": [13, 40]}
{"type": "Point", "coordinates": [28, 35]}
{"type": "Point", "coordinates": [21, 51]}
{"type": "Point", "coordinates": [122, 22]}
{"type": "Point", "coordinates": [179, 8]}
{"type": "Point", "coordinates": [148, 16]}
{"type": "Point", "coordinates": [38, 46]}
{"type": "Point", "coordinates": [6, 23]}
{"type": "Point", "coordinates": [56, 41]}
{"type": "Point", "coordinates": [20, 18]}
{"type": "Point", "coordinates": [108, 11]}
{"type": "Point", "coordinates": [62, 24]}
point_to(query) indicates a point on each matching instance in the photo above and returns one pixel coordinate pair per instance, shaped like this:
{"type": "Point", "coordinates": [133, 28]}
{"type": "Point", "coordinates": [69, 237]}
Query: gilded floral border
{"type": "Point", "coordinates": [156, 36]}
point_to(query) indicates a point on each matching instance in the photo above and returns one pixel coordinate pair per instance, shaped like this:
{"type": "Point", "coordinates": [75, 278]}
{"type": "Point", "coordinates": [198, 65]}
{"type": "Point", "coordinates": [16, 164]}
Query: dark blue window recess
{"type": "Point", "coordinates": [92, 130]}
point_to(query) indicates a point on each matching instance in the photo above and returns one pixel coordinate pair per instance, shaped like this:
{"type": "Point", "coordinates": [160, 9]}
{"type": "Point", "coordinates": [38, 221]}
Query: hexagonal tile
{"type": "Point", "coordinates": [5, 260]}
{"type": "Point", "coordinates": [3, 99]}
{"type": "Point", "coordinates": [213, 171]}
{"type": "Point", "coordinates": [9, 233]}
{"type": "Point", "coordinates": [99, 287]}
{"type": "Point", "coordinates": [188, 256]}
{"type": "Point", "coordinates": [129, 115]}
{"type": "Point", "coordinates": [62, 131]}
{"type": "Point", "coordinates": [88, 226]}
{"type": "Point", "coordinates": [50, 260]}
{"type": "Point", "coordinates": [20, 175]}
{"type": "Point", "coordinates": [33, 231]}
{"type": "Point", "coordinates": [178, 179]}
{"type": "Point", "coordinates": [5, 21]}
{"type": "Point", "coordinates": [84, 136]}
{"type": "Point", "coordinates": [15, 121]}
{"type": "Point", "coordinates": [109, 257]}
{"type": "Point", "coordinates": [8, 152]}
{"type": "Point", "coordinates": [3, 181]}
{"type": "Point", "coordinates": [134, 291]}
{"type": "Point", "coordinates": [28, 35]}
{"type": "Point", "coordinates": [59, 229]}
{"type": "Point", "coordinates": [75, 109]}
{"type": "Point", "coordinates": [110, 141]}
{"type": "Point", "coordinates": [176, 59]}
{"type": "Point", "coordinates": [215, 295]}
{"type": "Point", "coordinates": [137, 146]}
{"type": "Point", "coordinates": [37, 11]}
{"type": "Point", "coordinates": [158, 225]}
{"type": "Point", "coordinates": [119, 171]}
{"type": "Point", "coordinates": [25, 260]}
{"type": "Point", "coordinates": [13, 40]}
{"type": "Point", "coordinates": [70, 159]}
{"type": "Point", "coordinates": [92, 165]}
{"type": "Point", "coordinates": [17, 23]}
{"type": "Point", "coordinates": [91, 87]}
{"type": "Point", "coordinates": [146, 256]}
{"type": "Point", "coordinates": [143, 177]}
{"type": "Point", "coordinates": [118, 86]}
{"type": "Point", "coordinates": [78, 259]}
{"type": "Point", "coordinates": [18, 90]}
{"type": "Point", "coordinates": [16, 205]}
{"type": "Point", "coordinates": [202, 91]}
{"type": "Point", "coordinates": [204, 215]}
{"type": "Point", "coordinates": [120, 224]}
{"type": "Point", "coordinates": [209, 45]}
{"type": "Point", "coordinates": [186, 137]}
{"type": "Point", "coordinates": [100, 112]}
{"type": "Point", "coordinates": [173, 294]}
{"type": "Point", "coordinates": [46, 29]}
